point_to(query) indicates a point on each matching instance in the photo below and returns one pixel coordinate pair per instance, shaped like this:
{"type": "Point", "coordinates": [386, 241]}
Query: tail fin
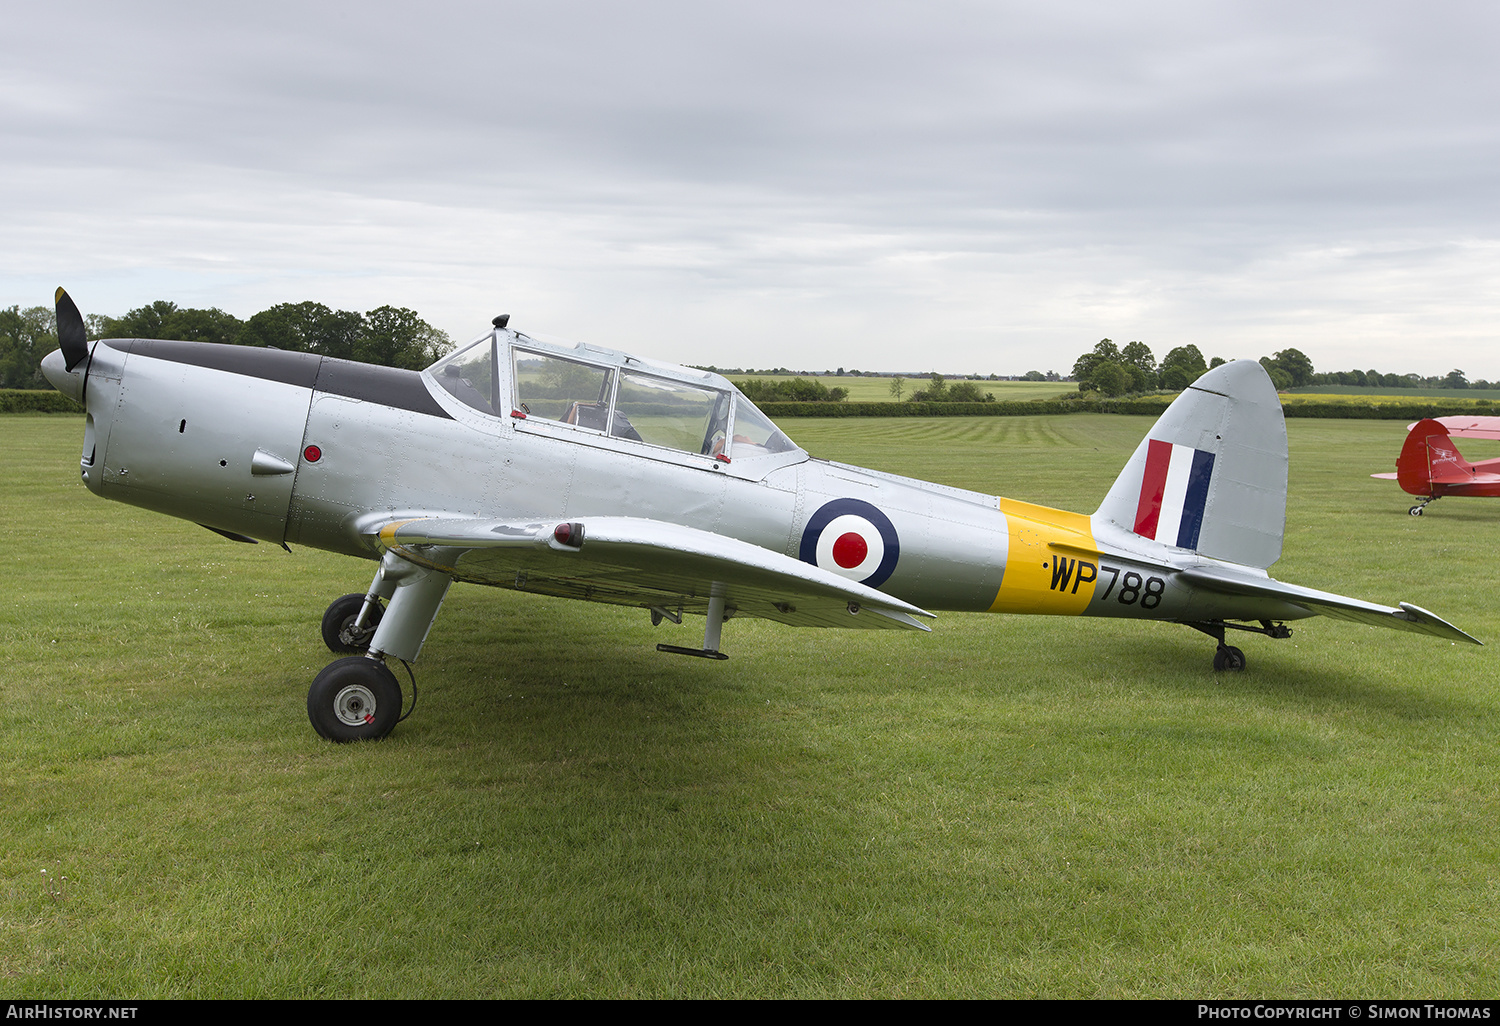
{"type": "Point", "coordinates": [1210, 476]}
{"type": "Point", "coordinates": [1429, 458]}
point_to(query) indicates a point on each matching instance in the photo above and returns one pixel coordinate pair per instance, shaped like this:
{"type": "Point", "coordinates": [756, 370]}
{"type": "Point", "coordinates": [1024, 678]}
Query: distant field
{"type": "Point", "coordinates": [1006, 807]}
{"type": "Point", "coordinates": [873, 389]}
{"type": "Point", "coordinates": [1375, 394]}
{"type": "Point", "coordinates": [877, 389]}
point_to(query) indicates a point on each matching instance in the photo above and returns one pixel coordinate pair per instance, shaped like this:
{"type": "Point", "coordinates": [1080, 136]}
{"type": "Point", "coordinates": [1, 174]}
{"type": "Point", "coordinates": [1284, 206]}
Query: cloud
{"type": "Point", "coordinates": [985, 186]}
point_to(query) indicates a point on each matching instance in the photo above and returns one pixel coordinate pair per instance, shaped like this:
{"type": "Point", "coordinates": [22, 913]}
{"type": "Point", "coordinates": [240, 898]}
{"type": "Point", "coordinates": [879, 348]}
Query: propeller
{"type": "Point", "coordinates": [72, 337]}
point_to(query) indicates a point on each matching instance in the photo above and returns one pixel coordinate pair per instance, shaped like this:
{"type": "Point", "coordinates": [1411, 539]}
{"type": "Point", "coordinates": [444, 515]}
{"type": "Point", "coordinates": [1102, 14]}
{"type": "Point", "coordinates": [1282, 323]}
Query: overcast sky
{"type": "Point", "coordinates": [964, 187]}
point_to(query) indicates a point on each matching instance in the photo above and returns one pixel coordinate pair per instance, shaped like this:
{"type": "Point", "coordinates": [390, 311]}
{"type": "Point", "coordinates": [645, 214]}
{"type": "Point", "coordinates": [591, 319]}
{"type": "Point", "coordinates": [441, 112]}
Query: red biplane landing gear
{"type": "Point", "coordinates": [347, 628]}
{"type": "Point", "coordinates": [1416, 510]}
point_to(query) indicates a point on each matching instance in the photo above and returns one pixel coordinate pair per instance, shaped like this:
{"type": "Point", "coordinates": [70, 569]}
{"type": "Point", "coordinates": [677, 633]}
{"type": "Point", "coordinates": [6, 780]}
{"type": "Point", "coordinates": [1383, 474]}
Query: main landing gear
{"type": "Point", "coordinates": [1227, 657]}
{"type": "Point", "coordinates": [358, 698]}
{"type": "Point", "coordinates": [1416, 510]}
{"type": "Point", "coordinates": [354, 699]}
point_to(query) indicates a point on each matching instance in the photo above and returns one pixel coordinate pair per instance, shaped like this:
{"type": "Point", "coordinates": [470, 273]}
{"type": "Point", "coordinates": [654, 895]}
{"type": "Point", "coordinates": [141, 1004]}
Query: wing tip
{"type": "Point", "coordinates": [1418, 615]}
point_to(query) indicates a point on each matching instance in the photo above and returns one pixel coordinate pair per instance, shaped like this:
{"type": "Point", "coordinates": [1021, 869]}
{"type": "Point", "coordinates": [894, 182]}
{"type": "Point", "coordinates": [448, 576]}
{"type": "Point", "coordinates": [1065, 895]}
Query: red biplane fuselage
{"type": "Point", "coordinates": [1431, 466]}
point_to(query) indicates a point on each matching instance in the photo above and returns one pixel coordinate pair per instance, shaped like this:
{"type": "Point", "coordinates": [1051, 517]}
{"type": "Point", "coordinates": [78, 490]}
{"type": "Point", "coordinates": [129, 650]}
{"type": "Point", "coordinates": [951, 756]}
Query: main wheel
{"type": "Point", "coordinates": [339, 632]}
{"type": "Point", "coordinates": [1229, 658]}
{"type": "Point", "coordinates": [354, 699]}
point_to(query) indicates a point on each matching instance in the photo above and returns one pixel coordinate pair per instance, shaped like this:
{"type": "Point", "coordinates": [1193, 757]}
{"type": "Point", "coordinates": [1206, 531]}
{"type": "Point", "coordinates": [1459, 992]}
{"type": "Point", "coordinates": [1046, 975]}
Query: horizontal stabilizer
{"type": "Point", "coordinates": [1407, 618]}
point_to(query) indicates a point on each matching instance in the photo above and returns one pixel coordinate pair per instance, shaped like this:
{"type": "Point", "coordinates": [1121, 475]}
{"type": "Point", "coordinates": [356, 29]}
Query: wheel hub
{"type": "Point", "coordinates": [353, 636]}
{"type": "Point", "coordinates": [355, 705]}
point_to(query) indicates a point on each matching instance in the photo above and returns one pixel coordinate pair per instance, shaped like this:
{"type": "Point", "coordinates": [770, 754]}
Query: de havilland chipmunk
{"type": "Point", "coordinates": [578, 471]}
{"type": "Point", "coordinates": [1430, 465]}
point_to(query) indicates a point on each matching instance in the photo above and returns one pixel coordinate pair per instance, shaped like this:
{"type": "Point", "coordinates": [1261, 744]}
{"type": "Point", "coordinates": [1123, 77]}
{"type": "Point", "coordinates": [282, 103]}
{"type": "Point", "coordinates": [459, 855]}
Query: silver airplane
{"type": "Point", "coordinates": [578, 471]}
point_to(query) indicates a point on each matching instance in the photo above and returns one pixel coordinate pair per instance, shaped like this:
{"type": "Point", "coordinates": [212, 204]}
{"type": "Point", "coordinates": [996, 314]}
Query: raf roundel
{"type": "Point", "coordinates": [853, 539]}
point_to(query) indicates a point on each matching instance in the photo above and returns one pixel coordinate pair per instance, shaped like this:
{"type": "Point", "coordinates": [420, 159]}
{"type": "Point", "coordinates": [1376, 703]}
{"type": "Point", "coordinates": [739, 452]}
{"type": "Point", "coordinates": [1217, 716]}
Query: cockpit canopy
{"type": "Point", "coordinates": [609, 393]}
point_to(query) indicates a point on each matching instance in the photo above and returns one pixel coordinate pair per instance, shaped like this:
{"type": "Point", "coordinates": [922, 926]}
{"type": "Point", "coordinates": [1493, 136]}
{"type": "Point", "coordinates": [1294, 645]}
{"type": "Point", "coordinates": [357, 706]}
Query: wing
{"type": "Point", "coordinates": [634, 562]}
{"type": "Point", "coordinates": [1407, 618]}
{"type": "Point", "coordinates": [1468, 426]}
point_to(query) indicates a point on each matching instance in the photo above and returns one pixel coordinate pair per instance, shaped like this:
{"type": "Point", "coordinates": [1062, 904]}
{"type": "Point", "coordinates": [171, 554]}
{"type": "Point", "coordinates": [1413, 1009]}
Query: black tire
{"type": "Point", "coordinates": [1229, 658]}
{"type": "Point", "coordinates": [354, 699]}
{"type": "Point", "coordinates": [1415, 511]}
{"type": "Point", "coordinates": [340, 615]}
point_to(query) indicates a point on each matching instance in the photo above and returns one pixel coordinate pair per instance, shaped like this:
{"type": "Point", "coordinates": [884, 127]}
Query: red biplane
{"type": "Point", "coordinates": [1432, 467]}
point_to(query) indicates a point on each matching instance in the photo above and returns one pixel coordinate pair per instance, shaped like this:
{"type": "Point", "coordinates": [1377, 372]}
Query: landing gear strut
{"type": "Point", "coordinates": [1227, 657]}
{"type": "Point", "coordinates": [1416, 510]}
{"type": "Point", "coordinates": [358, 698]}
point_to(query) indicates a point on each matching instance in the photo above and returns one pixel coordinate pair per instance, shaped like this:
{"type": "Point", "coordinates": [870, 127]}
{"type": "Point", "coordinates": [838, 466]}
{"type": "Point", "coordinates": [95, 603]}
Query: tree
{"type": "Point", "coordinates": [1137, 357]}
{"type": "Point", "coordinates": [1298, 367]}
{"type": "Point", "coordinates": [25, 337]}
{"type": "Point", "coordinates": [1455, 379]}
{"type": "Point", "coordinates": [283, 326]}
{"type": "Point", "coordinates": [306, 327]}
{"type": "Point", "coordinates": [1279, 378]}
{"type": "Point", "coordinates": [165, 319]}
{"type": "Point", "coordinates": [798, 390]}
{"type": "Point", "coordinates": [1133, 368]}
{"type": "Point", "coordinates": [142, 322]}
{"type": "Point", "coordinates": [211, 325]}
{"type": "Point", "coordinates": [397, 337]}
{"type": "Point", "coordinates": [935, 392]}
{"type": "Point", "coordinates": [898, 385]}
{"type": "Point", "coordinates": [1035, 376]}
{"type": "Point", "coordinates": [968, 392]}
{"type": "Point", "coordinates": [1111, 378]}
{"type": "Point", "coordinates": [1181, 367]}
{"type": "Point", "coordinates": [1083, 367]}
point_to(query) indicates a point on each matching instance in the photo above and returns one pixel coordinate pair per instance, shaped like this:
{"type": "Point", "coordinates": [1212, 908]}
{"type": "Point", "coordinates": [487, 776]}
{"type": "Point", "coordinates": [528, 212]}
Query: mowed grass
{"type": "Point", "coordinates": [873, 389]}
{"type": "Point", "coordinates": [1008, 806]}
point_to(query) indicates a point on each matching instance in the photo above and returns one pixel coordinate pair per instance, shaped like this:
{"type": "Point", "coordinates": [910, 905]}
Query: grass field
{"type": "Point", "coordinates": [878, 390]}
{"type": "Point", "coordinates": [1375, 394]}
{"type": "Point", "coordinates": [1008, 806]}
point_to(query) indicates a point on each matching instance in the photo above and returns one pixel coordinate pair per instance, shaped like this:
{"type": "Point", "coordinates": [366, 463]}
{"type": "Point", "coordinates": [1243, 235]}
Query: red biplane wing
{"type": "Point", "coordinates": [1468, 427]}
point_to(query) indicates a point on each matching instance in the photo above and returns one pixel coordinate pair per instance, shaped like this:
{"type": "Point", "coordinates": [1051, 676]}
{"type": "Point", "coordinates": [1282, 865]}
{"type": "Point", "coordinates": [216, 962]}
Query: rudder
{"type": "Point", "coordinates": [1210, 476]}
{"type": "Point", "coordinates": [1428, 458]}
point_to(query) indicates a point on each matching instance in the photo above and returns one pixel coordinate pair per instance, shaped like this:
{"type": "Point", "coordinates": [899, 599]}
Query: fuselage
{"type": "Point", "coordinates": [301, 449]}
{"type": "Point", "coordinates": [1484, 483]}
{"type": "Point", "coordinates": [570, 470]}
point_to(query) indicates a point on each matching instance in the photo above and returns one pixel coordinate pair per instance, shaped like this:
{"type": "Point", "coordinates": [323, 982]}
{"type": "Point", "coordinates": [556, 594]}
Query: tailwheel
{"type": "Point", "coordinates": [1229, 658]}
{"type": "Point", "coordinates": [354, 699]}
{"type": "Point", "coordinates": [1415, 511]}
{"type": "Point", "coordinates": [342, 632]}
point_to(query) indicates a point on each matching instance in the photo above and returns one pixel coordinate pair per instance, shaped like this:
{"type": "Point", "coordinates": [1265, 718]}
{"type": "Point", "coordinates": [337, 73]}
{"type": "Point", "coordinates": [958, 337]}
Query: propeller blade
{"type": "Point", "coordinates": [71, 334]}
